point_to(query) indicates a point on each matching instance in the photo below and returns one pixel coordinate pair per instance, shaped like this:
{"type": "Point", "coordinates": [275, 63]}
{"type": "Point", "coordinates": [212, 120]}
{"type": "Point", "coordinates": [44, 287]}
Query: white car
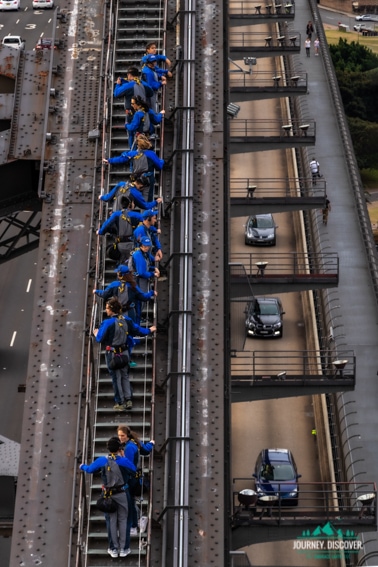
{"type": "Point", "coordinates": [14, 41]}
{"type": "Point", "coordinates": [9, 5]}
{"type": "Point", "coordinates": [367, 18]}
{"type": "Point", "coordinates": [43, 4]}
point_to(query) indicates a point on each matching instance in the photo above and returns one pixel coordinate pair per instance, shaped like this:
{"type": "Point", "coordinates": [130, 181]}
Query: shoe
{"type": "Point", "coordinates": [128, 405]}
{"type": "Point", "coordinates": [143, 521]}
{"type": "Point", "coordinates": [113, 553]}
{"type": "Point", "coordinates": [124, 552]}
{"type": "Point", "coordinates": [134, 531]}
{"type": "Point", "coordinates": [153, 136]}
{"type": "Point", "coordinates": [119, 407]}
{"type": "Point", "coordinates": [132, 364]}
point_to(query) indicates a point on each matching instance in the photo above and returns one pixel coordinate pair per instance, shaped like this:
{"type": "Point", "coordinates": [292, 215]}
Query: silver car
{"type": "Point", "coordinates": [260, 230]}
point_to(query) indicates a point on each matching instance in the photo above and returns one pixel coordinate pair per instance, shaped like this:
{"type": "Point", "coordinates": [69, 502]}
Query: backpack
{"type": "Point", "coordinates": [121, 193]}
{"type": "Point", "coordinates": [139, 90]}
{"type": "Point", "coordinates": [146, 123]}
{"type": "Point", "coordinates": [113, 474]}
{"type": "Point", "coordinates": [125, 228]}
{"type": "Point", "coordinates": [120, 331]}
{"type": "Point", "coordinates": [140, 163]}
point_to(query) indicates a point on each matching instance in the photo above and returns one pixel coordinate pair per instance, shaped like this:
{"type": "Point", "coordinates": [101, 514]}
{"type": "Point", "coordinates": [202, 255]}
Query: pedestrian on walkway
{"type": "Point", "coordinates": [309, 29]}
{"type": "Point", "coordinates": [308, 46]}
{"type": "Point", "coordinates": [315, 170]}
{"type": "Point", "coordinates": [316, 46]}
{"type": "Point", "coordinates": [327, 209]}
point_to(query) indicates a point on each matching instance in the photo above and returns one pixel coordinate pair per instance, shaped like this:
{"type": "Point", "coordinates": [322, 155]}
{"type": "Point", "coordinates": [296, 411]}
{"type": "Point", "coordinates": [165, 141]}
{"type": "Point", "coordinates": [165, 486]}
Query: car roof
{"type": "Point", "coordinates": [264, 215]}
{"type": "Point", "coordinates": [277, 455]}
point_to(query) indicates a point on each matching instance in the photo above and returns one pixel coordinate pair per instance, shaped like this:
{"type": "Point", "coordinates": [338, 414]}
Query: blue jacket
{"type": "Point", "coordinates": [149, 76]}
{"type": "Point", "coordinates": [143, 230]}
{"type": "Point", "coordinates": [131, 450]}
{"type": "Point", "coordinates": [106, 330]}
{"type": "Point", "coordinates": [139, 199]}
{"type": "Point", "coordinates": [126, 88]}
{"type": "Point", "coordinates": [136, 123]}
{"type": "Point", "coordinates": [154, 162]}
{"type": "Point", "coordinates": [144, 264]}
{"type": "Point", "coordinates": [103, 461]}
{"type": "Point", "coordinates": [111, 224]}
{"type": "Point", "coordinates": [135, 294]}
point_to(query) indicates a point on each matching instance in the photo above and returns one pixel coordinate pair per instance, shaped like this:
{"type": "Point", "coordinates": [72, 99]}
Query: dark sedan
{"type": "Point", "coordinates": [264, 317]}
{"type": "Point", "coordinates": [260, 230]}
{"type": "Point", "coordinates": [276, 475]}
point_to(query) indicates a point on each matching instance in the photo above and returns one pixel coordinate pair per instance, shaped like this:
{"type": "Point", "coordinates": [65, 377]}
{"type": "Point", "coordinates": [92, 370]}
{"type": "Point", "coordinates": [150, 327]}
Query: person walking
{"type": "Point", "coordinates": [316, 46]}
{"type": "Point", "coordinates": [143, 160]}
{"type": "Point", "coordinates": [308, 46]}
{"type": "Point", "coordinates": [154, 76]}
{"type": "Point", "coordinates": [142, 119]}
{"type": "Point", "coordinates": [309, 29]}
{"type": "Point", "coordinates": [315, 170]}
{"type": "Point", "coordinates": [113, 334]}
{"type": "Point", "coordinates": [133, 449]}
{"type": "Point", "coordinates": [114, 488]}
{"type": "Point", "coordinates": [327, 209]}
{"type": "Point", "coordinates": [148, 228]}
{"type": "Point", "coordinates": [126, 291]}
{"type": "Point", "coordinates": [151, 49]}
{"type": "Point", "coordinates": [130, 87]}
{"type": "Point", "coordinates": [121, 225]}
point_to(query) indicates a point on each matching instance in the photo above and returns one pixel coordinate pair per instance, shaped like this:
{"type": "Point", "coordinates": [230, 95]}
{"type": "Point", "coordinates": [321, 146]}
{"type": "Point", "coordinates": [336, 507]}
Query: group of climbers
{"type": "Point", "coordinates": [133, 243]}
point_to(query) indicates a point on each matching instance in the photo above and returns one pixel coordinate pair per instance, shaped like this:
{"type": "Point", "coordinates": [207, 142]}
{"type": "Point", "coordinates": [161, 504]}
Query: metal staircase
{"type": "Point", "coordinates": [137, 23]}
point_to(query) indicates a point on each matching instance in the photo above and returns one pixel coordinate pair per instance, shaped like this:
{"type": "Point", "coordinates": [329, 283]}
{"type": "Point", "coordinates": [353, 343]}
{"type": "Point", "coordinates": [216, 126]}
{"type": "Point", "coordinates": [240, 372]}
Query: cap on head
{"type": "Point", "coordinates": [151, 58]}
{"type": "Point", "coordinates": [113, 445]}
{"type": "Point", "coordinates": [122, 269]}
{"type": "Point", "coordinates": [149, 213]}
{"type": "Point", "coordinates": [145, 241]}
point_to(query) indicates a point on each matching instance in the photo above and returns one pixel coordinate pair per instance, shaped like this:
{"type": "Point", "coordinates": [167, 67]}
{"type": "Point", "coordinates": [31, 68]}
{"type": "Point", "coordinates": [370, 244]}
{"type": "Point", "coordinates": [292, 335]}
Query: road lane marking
{"type": "Point", "coordinates": [29, 286]}
{"type": "Point", "coordinates": [13, 338]}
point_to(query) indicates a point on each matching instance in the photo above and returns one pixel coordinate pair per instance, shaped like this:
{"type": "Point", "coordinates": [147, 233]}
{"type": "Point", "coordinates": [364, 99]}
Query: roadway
{"type": "Point", "coordinates": [288, 422]}
{"type": "Point", "coordinates": [28, 23]}
{"type": "Point", "coordinates": [285, 422]}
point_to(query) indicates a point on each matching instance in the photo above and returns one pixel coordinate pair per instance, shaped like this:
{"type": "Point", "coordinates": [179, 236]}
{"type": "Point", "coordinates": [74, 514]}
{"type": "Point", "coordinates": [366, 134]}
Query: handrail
{"type": "Point", "coordinates": [283, 263]}
{"type": "Point", "coordinates": [278, 187]}
{"type": "Point", "coordinates": [271, 127]}
{"type": "Point", "coordinates": [292, 365]}
{"type": "Point", "coordinates": [263, 79]}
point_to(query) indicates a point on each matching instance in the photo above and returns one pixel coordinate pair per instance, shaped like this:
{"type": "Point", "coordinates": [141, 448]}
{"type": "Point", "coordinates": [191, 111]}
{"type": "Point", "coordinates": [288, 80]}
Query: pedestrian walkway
{"type": "Point", "coordinates": [358, 322]}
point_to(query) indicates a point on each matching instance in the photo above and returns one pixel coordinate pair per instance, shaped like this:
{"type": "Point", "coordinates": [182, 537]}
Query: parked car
{"type": "Point", "coordinates": [9, 5]}
{"type": "Point", "coordinates": [359, 27]}
{"type": "Point", "coordinates": [367, 18]}
{"type": "Point", "coordinates": [43, 4]}
{"type": "Point", "coordinates": [264, 317]}
{"type": "Point", "coordinates": [45, 43]}
{"type": "Point", "coordinates": [276, 475]}
{"type": "Point", "coordinates": [260, 230]}
{"type": "Point", "coordinates": [14, 41]}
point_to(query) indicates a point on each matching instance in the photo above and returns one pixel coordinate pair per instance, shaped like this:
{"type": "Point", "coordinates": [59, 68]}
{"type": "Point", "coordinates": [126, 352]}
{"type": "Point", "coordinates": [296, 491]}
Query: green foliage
{"type": "Point", "coordinates": [352, 57]}
{"type": "Point", "coordinates": [365, 141]}
{"type": "Point", "coordinates": [357, 74]}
